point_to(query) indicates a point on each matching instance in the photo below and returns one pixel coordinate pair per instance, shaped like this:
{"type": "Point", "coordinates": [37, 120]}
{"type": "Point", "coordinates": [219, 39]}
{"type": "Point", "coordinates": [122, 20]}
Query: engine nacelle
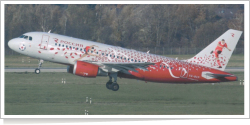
{"type": "Point", "coordinates": [85, 69]}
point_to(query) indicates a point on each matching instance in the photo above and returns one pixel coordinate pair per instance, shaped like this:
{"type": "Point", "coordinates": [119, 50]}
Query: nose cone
{"type": "Point", "coordinates": [11, 43]}
{"type": "Point", "coordinates": [14, 44]}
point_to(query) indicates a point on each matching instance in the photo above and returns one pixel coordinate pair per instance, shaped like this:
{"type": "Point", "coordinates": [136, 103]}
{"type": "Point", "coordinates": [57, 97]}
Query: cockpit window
{"type": "Point", "coordinates": [21, 36]}
{"type": "Point", "coordinates": [25, 37]}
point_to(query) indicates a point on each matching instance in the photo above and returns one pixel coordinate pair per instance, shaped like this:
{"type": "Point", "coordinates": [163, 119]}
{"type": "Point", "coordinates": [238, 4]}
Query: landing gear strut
{"type": "Point", "coordinates": [37, 70]}
{"type": "Point", "coordinates": [112, 85]}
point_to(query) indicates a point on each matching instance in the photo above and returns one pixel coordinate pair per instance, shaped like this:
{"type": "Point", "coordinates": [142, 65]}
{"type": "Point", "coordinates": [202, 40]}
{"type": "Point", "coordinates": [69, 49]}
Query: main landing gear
{"type": "Point", "coordinates": [112, 85]}
{"type": "Point", "coordinates": [37, 70]}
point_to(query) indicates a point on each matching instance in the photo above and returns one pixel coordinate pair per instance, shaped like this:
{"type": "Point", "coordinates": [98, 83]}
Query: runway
{"type": "Point", "coordinates": [33, 69]}
{"type": "Point", "coordinates": [229, 69]}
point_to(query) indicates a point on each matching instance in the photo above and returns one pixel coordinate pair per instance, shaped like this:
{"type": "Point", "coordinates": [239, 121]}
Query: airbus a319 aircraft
{"type": "Point", "coordinates": [90, 59]}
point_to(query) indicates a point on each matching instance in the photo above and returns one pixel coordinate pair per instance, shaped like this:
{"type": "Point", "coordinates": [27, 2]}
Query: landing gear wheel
{"type": "Point", "coordinates": [109, 85]}
{"type": "Point", "coordinates": [37, 71]}
{"type": "Point", "coordinates": [115, 87]}
{"type": "Point", "coordinates": [112, 85]}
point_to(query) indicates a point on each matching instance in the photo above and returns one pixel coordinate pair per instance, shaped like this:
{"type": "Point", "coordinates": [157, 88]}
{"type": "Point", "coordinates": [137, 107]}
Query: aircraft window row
{"type": "Point", "coordinates": [121, 57]}
{"type": "Point", "coordinates": [75, 48]}
{"type": "Point", "coordinates": [166, 66]}
{"type": "Point", "coordinates": [26, 37]}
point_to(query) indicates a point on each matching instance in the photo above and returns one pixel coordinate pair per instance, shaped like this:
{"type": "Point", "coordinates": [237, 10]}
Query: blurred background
{"type": "Point", "coordinates": [162, 29]}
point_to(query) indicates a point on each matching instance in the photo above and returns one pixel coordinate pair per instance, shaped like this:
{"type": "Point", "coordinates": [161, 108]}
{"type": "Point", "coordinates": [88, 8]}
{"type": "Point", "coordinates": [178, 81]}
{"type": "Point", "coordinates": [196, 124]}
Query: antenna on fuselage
{"type": "Point", "coordinates": [148, 52]}
{"type": "Point", "coordinates": [49, 31]}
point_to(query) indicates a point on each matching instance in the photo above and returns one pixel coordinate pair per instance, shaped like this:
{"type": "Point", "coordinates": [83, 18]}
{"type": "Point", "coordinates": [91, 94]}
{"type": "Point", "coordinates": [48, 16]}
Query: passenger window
{"type": "Point", "coordinates": [81, 49]}
{"type": "Point", "coordinates": [55, 44]}
{"type": "Point", "coordinates": [125, 58]}
{"type": "Point", "coordinates": [117, 57]}
{"type": "Point", "coordinates": [70, 47]}
{"type": "Point", "coordinates": [30, 38]}
{"type": "Point", "coordinates": [107, 54]}
{"type": "Point", "coordinates": [135, 61]}
{"type": "Point", "coordinates": [128, 59]}
{"type": "Point", "coordinates": [96, 52]}
{"type": "Point", "coordinates": [110, 55]}
{"type": "Point", "coordinates": [63, 45]}
{"type": "Point", "coordinates": [132, 60]}
{"type": "Point", "coordinates": [59, 45]}
{"type": "Point", "coordinates": [73, 47]}
{"type": "Point", "coordinates": [66, 46]}
{"type": "Point", "coordinates": [76, 48]}
{"type": "Point", "coordinates": [102, 53]}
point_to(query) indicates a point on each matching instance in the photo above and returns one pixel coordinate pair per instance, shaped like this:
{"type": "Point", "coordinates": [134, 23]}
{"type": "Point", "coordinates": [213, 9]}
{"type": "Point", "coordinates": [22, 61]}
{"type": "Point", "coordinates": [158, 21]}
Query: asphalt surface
{"type": "Point", "coordinates": [229, 69]}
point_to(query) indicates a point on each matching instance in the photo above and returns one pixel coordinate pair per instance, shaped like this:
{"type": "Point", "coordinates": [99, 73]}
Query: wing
{"type": "Point", "coordinates": [123, 67]}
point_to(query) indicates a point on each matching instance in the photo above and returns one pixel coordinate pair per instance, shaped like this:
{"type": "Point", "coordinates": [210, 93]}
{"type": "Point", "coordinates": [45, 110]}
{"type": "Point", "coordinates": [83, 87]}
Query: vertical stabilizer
{"type": "Point", "coordinates": [207, 57]}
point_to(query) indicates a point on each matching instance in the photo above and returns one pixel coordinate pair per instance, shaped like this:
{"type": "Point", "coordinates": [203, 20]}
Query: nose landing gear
{"type": "Point", "coordinates": [112, 85]}
{"type": "Point", "coordinates": [37, 70]}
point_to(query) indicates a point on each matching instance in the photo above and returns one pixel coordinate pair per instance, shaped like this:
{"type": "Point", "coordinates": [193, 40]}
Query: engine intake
{"type": "Point", "coordinates": [85, 69]}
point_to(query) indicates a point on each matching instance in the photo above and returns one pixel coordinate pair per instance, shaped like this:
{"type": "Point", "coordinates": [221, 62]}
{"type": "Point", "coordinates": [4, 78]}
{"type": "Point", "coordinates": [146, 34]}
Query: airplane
{"type": "Point", "coordinates": [91, 59]}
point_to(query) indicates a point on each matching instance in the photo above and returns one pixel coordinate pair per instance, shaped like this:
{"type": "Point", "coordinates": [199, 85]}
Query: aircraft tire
{"type": "Point", "coordinates": [115, 87]}
{"type": "Point", "coordinates": [37, 71]}
{"type": "Point", "coordinates": [109, 85]}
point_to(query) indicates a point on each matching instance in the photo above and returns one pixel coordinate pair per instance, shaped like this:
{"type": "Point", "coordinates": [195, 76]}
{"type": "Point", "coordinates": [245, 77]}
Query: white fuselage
{"type": "Point", "coordinates": [63, 49]}
{"type": "Point", "coordinates": [112, 59]}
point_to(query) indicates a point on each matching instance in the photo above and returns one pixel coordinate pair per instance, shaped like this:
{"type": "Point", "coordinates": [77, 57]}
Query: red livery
{"type": "Point", "coordinates": [91, 59]}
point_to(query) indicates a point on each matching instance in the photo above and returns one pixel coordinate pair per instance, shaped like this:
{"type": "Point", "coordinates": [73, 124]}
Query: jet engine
{"type": "Point", "coordinates": [85, 69]}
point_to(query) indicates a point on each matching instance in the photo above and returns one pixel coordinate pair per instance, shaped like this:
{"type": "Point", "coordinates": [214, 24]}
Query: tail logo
{"type": "Point", "coordinates": [218, 57]}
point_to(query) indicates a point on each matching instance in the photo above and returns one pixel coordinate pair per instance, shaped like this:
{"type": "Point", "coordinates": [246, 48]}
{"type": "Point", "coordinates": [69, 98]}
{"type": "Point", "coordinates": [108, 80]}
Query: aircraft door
{"type": "Point", "coordinates": [184, 70]}
{"type": "Point", "coordinates": [44, 42]}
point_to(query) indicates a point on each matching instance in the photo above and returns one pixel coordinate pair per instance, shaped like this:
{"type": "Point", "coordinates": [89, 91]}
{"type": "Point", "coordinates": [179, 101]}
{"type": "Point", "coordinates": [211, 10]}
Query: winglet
{"type": "Point", "coordinates": [148, 52]}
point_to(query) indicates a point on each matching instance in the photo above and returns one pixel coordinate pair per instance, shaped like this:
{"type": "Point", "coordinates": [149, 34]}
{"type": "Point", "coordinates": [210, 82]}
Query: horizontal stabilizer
{"type": "Point", "coordinates": [219, 75]}
{"type": "Point", "coordinates": [210, 75]}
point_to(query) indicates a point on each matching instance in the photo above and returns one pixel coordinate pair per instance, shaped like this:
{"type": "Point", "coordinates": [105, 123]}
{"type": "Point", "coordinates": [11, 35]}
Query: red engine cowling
{"type": "Point", "coordinates": [85, 69]}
